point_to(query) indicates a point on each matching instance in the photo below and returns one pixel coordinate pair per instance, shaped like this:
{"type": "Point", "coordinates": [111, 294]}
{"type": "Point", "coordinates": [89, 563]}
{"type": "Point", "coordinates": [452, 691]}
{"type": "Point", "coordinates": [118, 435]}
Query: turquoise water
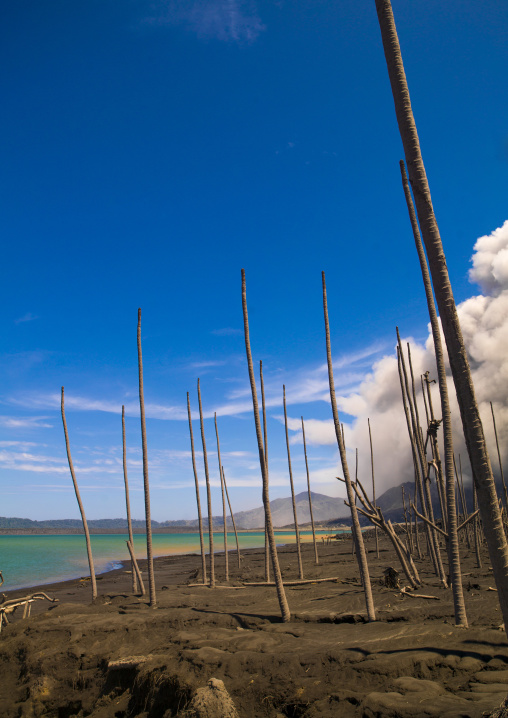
{"type": "Point", "coordinates": [34, 560]}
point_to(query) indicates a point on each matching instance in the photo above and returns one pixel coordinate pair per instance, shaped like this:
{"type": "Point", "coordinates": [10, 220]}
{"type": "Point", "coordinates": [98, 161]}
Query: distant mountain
{"type": "Point", "coordinates": [324, 508]}
{"type": "Point", "coordinates": [327, 510]}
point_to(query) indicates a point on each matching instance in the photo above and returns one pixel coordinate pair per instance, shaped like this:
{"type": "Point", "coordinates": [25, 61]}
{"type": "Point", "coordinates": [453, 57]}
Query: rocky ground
{"type": "Point", "coordinates": [119, 658]}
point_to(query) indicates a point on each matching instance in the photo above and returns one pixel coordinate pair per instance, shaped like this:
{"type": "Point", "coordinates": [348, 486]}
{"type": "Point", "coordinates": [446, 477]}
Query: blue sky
{"type": "Point", "coordinates": [153, 149]}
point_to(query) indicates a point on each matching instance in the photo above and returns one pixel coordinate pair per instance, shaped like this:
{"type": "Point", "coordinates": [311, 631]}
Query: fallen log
{"type": "Point", "coordinates": [293, 583]}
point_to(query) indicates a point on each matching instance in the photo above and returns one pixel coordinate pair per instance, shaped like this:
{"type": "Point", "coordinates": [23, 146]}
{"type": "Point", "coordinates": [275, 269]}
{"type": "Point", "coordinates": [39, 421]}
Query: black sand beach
{"type": "Point", "coordinates": [63, 660]}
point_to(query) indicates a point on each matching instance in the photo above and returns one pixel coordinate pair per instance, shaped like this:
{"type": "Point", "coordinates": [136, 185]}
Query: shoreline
{"type": "Point", "coordinates": [123, 565]}
{"type": "Point", "coordinates": [119, 658]}
{"type": "Point", "coordinates": [141, 532]}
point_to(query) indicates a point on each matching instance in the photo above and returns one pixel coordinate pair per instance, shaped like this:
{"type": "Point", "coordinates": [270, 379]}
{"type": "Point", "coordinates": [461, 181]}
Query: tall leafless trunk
{"type": "Point", "coordinates": [450, 520]}
{"type": "Point", "coordinates": [232, 519]}
{"type": "Point", "coordinates": [505, 492]}
{"type": "Point", "coordinates": [198, 500]}
{"type": "Point", "coordinates": [135, 567]}
{"type": "Point", "coordinates": [297, 531]}
{"type": "Point", "coordinates": [415, 448]}
{"type": "Point", "coordinates": [356, 530]}
{"type": "Point", "coordinates": [81, 509]}
{"type": "Point", "coordinates": [127, 501]}
{"type": "Point", "coordinates": [149, 551]}
{"type": "Point", "coordinates": [373, 485]}
{"type": "Point", "coordinates": [208, 492]}
{"type": "Point", "coordinates": [459, 364]}
{"type": "Point", "coordinates": [265, 439]}
{"type": "Point", "coordinates": [224, 513]}
{"type": "Point", "coordinates": [316, 558]}
{"type": "Point", "coordinates": [432, 424]}
{"type": "Point", "coordinates": [281, 594]}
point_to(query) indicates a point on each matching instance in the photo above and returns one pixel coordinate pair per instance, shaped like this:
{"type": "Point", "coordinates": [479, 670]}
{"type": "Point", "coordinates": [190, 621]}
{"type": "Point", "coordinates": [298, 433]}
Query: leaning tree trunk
{"type": "Point", "coordinates": [356, 530]}
{"type": "Point", "coordinates": [208, 492]}
{"type": "Point", "coordinates": [450, 525]}
{"type": "Point", "coordinates": [373, 485]}
{"type": "Point", "coordinates": [265, 439]}
{"type": "Point", "coordinates": [459, 364]}
{"type": "Point", "coordinates": [297, 531]}
{"type": "Point", "coordinates": [499, 458]}
{"type": "Point", "coordinates": [224, 514]}
{"type": "Point", "coordinates": [81, 509]}
{"type": "Point", "coordinates": [127, 501]}
{"type": "Point", "coordinates": [232, 519]}
{"type": "Point", "coordinates": [198, 501]}
{"type": "Point", "coordinates": [149, 551]}
{"type": "Point", "coordinates": [281, 594]}
{"type": "Point", "coordinates": [316, 558]}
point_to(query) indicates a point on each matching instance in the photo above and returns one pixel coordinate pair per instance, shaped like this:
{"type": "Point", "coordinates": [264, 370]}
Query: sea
{"type": "Point", "coordinates": [34, 560]}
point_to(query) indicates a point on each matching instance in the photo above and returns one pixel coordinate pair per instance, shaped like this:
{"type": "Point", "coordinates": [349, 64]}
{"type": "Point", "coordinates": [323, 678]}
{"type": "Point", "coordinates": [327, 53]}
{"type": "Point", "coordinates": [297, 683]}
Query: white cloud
{"type": "Point", "coordinates": [490, 261]}
{"type": "Point", "coordinates": [28, 317]}
{"type": "Point", "coordinates": [225, 20]}
{"type": "Point", "coordinates": [25, 422]}
{"type": "Point", "coordinates": [226, 332]}
{"type": "Point", "coordinates": [484, 322]}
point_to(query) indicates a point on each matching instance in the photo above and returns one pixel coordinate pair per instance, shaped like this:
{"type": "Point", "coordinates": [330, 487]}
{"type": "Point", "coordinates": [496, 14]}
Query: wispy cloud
{"type": "Point", "coordinates": [25, 422]}
{"type": "Point", "coordinates": [206, 364]}
{"type": "Point", "coordinates": [28, 317]}
{"type": "Point", "coordinates": [226, 332]}
{"type": "Point", "coordinates": [225, 20]}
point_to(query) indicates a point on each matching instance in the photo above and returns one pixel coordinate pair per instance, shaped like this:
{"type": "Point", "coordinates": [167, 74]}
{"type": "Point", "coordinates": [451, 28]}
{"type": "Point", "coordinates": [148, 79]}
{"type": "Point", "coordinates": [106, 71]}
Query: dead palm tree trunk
{"type": "Point", "coordinates": [450, 520]}
{"type": "Point", "coordinates": [432, 425]}
{"type": "Point", "coordinates": [459, 364]}
{"type": "Point", "coordinates": [198, 501]}
{"type": "Point", "coordinates": [135, 567]}
{"type": "Point", "coordinates": [356, 530]}
{"type": "Point", "coordinates": [281, 594]}
{"type": "Point", "coordinates": [208, 492]}
{"type": "Point", "coordinates": [476, 531]}
{"type": "Point", "coordinates": [265, 438]}
{"type": "Point", "coordinates": [81, 509]}
{"type": "Point", "coordinates": [316, 558]}
{"type": "Point", "coordinates": [224, 514]}
{"type": "Point", "coordinates": [297, 532]}
{"type": "Point", "coordinates": [373, 486]}
{"type": "Point", "coordinates": [499, 458]}
{"type": "Point", "coordinates": [416, 462]}
{"type": "Point", "coordinates": [149, 551]}
{"type": "Point", "coordinates": [232, 518]}
{"type": "Point", "coordinates": [127, 501]}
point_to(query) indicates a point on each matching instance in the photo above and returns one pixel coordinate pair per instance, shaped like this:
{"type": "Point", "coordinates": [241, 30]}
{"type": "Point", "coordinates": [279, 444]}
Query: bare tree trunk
{"type": "Point", "coordinates": [356, 530]}
{"type": "Point", "coordinates": [232, 519]}
{"type": "Point", "coordinates": [297, 531]}
{"type": "Point", "coordinates": [471, 421]}
{"type": "Point", "coordinates": [127, 501]}
{"type": "Point", "coordinates": [476, 531]}
{"type": "Point", "coordinates": [265, 437]}
{"type": "Point", "coordinates": [316, 558]}
{"type": "Point", "coordinates": [281, 594]}
{"type": "Point", "coordinates": [198, 500]}
{"type": "Point", "coordinates": [135, 567]}
{"type": "Point", "coordinates": [499, 458]}
{"type": "Point", "coordinates": [81, 509]}
{"type": "Point", "coordinates": [208, 492]}
{"type": "Point", "coordinates": [416, 462]}
{"type": "Point", "coordinates": [373, 485]}
{"type": "Point", "coordinates": [432, 426]}
{"type": "Point", "coordinates": [149, 551]}
{"type": "Point", "coordinates": [224, 514]}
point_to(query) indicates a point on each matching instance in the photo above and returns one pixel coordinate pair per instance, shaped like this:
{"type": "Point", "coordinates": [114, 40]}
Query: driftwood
{"type": "Point", "coordinates": [293, 583]}
{"type": "Point", "coordinates": [405, 592]}
{"type": "Point", "coordinates": [11, 605]}
{"type": "Point", "coordinates": [207, 585]}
